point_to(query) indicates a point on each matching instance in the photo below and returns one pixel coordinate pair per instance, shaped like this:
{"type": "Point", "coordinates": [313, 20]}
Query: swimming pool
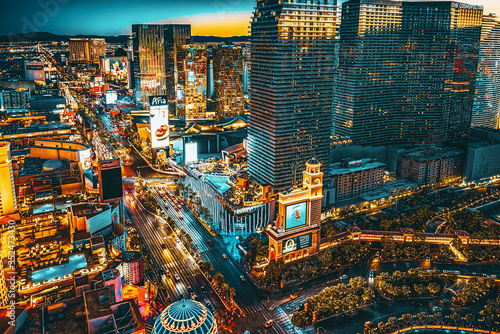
{"type": "Point", "coordinates": [77, 261]}
{"type": "Point", "coordinates": [220, 181]}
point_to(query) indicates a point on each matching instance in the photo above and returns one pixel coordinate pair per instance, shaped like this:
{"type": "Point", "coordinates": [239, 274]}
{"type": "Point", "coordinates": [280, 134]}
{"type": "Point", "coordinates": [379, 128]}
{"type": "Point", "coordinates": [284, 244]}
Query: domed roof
{"type": "Point", "coordinates": [313, 161]}
{"type": "Point", "coordinates": [51, 165]}
{"type": "Point", "coordinates": [185, 316]}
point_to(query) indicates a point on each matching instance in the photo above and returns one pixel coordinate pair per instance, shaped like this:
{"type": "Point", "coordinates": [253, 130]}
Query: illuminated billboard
{"type": "Point", "coordinates": [190, 152]}
{"type": "Point", "coordinates": [295, 215]}
{"type": "Point", "coordinates": [158, 112]}
{"type": "Point", "coordinates": [297, 243]}
{"type": "Point", "coordinates": [111, 96]}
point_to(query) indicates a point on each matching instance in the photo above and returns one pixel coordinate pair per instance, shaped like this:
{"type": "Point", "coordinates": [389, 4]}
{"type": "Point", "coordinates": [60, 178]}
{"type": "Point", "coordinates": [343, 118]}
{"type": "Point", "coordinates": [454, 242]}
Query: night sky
{"type": "Point", "coordinates": [72, 17]}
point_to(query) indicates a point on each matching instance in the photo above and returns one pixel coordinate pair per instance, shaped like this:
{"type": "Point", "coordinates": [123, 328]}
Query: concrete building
{"type": "Point", "coordinates": [483, 155]}
{"type": "Point", "coordinates": [432, 165]}
{"type": "Point", "coordinates": [107, 315]}
{"type": "Point", "coordinates": [88, 220]}
{"type": "Point", "coordinates": [8, 201]}
{"type": "Point", "coordinates": [223, 195]}
{"type": "Point", "coordinates": [14, 98]}
{"type": "Point", "coordinates": [62, 150]}
{"type": "Point", "coordinates": [352, 177]}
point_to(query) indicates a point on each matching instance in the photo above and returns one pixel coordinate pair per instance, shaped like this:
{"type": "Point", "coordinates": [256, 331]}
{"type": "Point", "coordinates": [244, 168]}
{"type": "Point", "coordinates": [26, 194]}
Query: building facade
{"type": "Point", "coordinates": [432, 166]}
{"type": "Point", "coordinates": [79, 50]}
{"type": "Point", "coordinates": [155, 49]}
{"type": "Point", "coordinates": [293, 67]}
{"type": "Point", "coordinates": [230, 219]}
{"type": "Point", "coordinates": [352, 177]}
{"type": "Point", "coordinates": [97, 49]}
{"type": "Point", "coordinates": [14, 98]}
{"type": "Point", "coordinates": [8, 201]}
{"type": "Point", "coordinates": [487, 99]}
{"type": "Point", "coordinates": [365, 94]}
{"type": "Point", "coordinates": [228, 80]}
{"type": "Point", "coordinates": [406, 71]}
{"type": "Point", "coordinates": [192, 84]}
{"type": "Point", "coordinates": [296, 234]}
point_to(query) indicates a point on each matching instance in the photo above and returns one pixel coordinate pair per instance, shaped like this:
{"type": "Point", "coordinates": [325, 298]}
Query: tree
{"type": "Point", "coordinates": [382, 327]}
{"type": "Point", "coordinates": [219, 279]}
{"type": "Point", "coordinates": [205, 267]}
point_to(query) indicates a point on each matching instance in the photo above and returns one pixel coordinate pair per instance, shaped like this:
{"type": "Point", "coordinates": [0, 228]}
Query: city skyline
{"type": "Point", "coordinates": [223, 18]}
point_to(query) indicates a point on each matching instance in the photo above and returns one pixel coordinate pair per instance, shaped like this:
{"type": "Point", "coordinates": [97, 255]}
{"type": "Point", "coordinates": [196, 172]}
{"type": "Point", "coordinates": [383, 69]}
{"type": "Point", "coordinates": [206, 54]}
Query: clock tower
{"type": "Point", "coordinates": [296, 232]}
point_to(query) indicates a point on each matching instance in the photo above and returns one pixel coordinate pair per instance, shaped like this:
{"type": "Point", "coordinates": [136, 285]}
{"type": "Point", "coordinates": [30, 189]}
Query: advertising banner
{"type": "Point", "coordinates": [297, 243]}
{"type": "Point", "coordinates": [158, 112]}
{"type": "Point", "coordinates": [295, 215]}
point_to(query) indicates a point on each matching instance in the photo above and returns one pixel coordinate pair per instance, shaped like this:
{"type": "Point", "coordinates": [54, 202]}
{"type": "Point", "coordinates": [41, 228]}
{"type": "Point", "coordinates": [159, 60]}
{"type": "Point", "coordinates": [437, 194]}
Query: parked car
{"type": "Point", "coordinates": [243, 278]}
{"type": "Point", "coordinates": [224, 256]}
{"type": "Point", "coordinates": [269, 323]}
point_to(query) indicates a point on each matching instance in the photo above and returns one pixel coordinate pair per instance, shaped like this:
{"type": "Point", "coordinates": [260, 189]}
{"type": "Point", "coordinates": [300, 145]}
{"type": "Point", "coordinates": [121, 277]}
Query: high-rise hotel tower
{"type": "Point", "coordinates": [407, 71]}
{"type": "Point", "coordinates": [292, 82]}
{"type": "Point", "coordinates": [155, 59]}
{"type": "Point", "coordinates": [487, 98]}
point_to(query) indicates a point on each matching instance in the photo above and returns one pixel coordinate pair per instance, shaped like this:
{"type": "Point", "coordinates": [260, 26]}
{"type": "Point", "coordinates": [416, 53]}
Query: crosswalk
{"type": "Point", "coordinates": [254, 308]}
{"type": "Point", "coordinates": [284, 321]}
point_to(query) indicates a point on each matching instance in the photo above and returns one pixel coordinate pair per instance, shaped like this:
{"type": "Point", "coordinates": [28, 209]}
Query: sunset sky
{"type": "Point", "coordinates": [72, 17]}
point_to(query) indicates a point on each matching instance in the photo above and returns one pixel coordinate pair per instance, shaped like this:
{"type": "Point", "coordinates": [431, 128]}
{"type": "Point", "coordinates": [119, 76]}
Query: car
{"type": "Point", "coordinates": [164, 246]}
{"type": "Point", "coordinates": [293, 296]}
{"type": "Point", "coordinates": [178, 240]}
{"type": "Point", "coordinates": [372, 273]}
{"type": "Point", "coordinates": [269, 323]}
{"type": "Point", "coordinates": [210, 243]}
{"type": "Point", "coordinates": [168, 273]}
{"type": "Point", "coordinates": [177, 278]}
{"type": "Point", "coordinates": [243, 278]}
{"type": "Point", "coordinates": [437, 309]}
{"type": "Point", "coordinates": [343, 277]}
{"type": "Point", "coordinates": [368, 323]}
{"type": "Point", "coordinates": [224, 256]}
{"type": "Point", "coordinates": [185, 250]}
{"type": "Point", "coordinates": [203, 289]}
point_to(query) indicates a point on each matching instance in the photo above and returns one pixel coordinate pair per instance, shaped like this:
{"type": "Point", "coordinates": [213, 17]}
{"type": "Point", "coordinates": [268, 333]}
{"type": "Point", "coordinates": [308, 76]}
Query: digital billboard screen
{"type": "Point", "coordinates": [158, 111]}
{"type": "Point", "coordinates": [297, 243]}
{"type": "Point", "coordinates": [190, 152]}
{"type": "Point", "coordinates": [111, 96]}
{"type": "Point", "coordinates": [295, 215]}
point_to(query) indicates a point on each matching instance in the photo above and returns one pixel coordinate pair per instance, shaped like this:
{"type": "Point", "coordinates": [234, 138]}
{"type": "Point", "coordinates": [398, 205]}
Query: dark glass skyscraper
{"type": "Point", "coordinates": [440, 42]}
{"type": "Point", "coordinates": [406, 71]}
{"type": "Point", "coordinates": [487, 98]}
{"type": "Point", "coordinates": [367, 93]}
{"type": "Point", "coordinates": [155, 59]}
{"type": "Point", "coordinates": [292, 56]}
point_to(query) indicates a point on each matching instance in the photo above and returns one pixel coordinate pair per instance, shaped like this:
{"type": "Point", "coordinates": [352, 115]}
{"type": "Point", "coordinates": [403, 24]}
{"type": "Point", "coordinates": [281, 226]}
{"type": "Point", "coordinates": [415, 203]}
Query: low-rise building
{"type": "Point", "coordinates": [432, 165]}
{"type": "Point", "coordinates": [352, 177]}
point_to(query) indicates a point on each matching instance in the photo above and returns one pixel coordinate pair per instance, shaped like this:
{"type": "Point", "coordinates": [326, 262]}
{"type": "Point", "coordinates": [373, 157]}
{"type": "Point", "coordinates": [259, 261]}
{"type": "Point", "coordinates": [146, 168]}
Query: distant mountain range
{"type": "Point", "coordinates": [47, 37]}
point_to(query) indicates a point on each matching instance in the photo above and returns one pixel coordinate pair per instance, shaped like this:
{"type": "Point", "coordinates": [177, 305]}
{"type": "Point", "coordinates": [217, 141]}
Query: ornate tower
{"type": "Point", "coordinates": [296, 232]}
